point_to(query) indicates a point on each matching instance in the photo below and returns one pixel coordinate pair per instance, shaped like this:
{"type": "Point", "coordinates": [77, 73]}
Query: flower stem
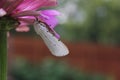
{"type": "Point", "coordinates": [3, 55]}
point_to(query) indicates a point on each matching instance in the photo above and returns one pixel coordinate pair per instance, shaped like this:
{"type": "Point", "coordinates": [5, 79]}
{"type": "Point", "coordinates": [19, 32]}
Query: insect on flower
{"type": "Point", "coordinates": [56, 47]}
{"type": "Point", "coordinates": [20, 14]}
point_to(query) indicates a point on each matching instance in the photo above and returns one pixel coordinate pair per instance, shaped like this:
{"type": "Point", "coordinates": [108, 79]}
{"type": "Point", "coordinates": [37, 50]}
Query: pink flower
{"type": "Point", "coordinates": [26, 11]}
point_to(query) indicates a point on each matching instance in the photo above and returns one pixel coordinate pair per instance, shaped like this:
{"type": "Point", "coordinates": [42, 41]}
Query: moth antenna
{"type": "Point", "coordinates": [36, 19]}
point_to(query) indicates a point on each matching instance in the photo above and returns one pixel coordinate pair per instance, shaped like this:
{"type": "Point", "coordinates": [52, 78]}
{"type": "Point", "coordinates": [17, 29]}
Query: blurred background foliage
{"type": "Point", "coordinates": [50, 69]}
{"type": "Point", "coordinates": [89, 21]}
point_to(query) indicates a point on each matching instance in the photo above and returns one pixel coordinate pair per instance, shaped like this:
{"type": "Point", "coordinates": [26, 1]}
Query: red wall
{"type": "Point", "coordinates": [88, 56]}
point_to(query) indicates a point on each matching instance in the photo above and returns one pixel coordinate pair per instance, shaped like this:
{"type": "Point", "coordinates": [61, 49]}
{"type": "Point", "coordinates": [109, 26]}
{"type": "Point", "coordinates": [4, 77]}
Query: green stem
{"type": "Point", "coordinates": [3, 55]}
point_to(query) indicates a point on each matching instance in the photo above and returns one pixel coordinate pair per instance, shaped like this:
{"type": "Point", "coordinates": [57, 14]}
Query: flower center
{"type": "Point", "coordinates": [7, 23]}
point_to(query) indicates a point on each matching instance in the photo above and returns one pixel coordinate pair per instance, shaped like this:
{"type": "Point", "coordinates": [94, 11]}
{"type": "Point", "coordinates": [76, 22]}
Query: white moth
{"type": "Point", "coordinates": [56, 47]}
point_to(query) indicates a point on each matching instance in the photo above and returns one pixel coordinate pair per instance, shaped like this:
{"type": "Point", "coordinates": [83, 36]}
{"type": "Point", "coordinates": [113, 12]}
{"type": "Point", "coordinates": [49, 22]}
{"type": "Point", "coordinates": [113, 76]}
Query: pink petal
{"type": "Point", "coordinates": [35, 4]}
{"type": "Point", "coordinates": [27, 19]}
{"type": "Point", "coordinates": [50, 12]}
{"type": "Point", "coordinates": [7, 4]}
{"type": "Point", "coordinates": [2, 3]}
{"type": "Point", "coordinates": [23, 23]}
{"type": "Point", "coordinates": [14, 5]}
{"type": "Point", "coordinates": [22, 29]}
{"type": "Point", "coordinates": [56, 34]}
{"type": "Point", "coordinates": [52, 21]}
{"type": "Point", "coordinates": [49, 17]}
{"type": "Point", "coordinates": [27, 13]}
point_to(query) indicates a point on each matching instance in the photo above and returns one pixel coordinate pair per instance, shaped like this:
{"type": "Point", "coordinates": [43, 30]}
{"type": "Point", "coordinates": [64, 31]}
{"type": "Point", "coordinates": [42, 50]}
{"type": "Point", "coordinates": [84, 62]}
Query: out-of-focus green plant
{"type": "Point", "coordinates": [50, 70]}
{"type": "Point", "coordinates": [91, 20]}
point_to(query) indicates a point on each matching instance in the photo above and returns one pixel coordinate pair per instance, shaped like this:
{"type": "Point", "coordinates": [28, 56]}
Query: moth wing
{"type": "Point", "coordinates": [56, 47]}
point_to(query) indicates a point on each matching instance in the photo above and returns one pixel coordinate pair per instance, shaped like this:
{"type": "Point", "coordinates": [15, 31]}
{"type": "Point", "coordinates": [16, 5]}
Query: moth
{"type": "Point", "coordinates": [56, 46]}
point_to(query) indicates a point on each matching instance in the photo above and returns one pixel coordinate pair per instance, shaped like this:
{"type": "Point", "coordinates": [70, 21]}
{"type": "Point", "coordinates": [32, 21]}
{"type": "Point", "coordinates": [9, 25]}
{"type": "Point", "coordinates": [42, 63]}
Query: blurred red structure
{"type": "Point", "coordinates": [87, 56]}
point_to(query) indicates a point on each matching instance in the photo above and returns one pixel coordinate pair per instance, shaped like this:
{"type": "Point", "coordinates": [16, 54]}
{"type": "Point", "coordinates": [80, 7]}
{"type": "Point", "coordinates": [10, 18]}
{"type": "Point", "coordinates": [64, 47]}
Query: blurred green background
{"type": "Point", "coordinates": [81, 21]}
{"type": "Point", "coordinates": [91, 20]}
{"type": "Point", "coordinates": [51, 69]}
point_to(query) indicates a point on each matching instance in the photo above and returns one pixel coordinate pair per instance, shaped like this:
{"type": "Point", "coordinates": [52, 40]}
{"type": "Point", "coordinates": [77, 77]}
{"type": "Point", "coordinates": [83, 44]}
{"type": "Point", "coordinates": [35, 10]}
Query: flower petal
{"type": "Point", "coordinates": [14, 5]}
{"type": "Point", "coordinates": [56, 34]}
{"type": "Point", "coordinates": [49, 17]}
{"type": "Point", "coordinates": [27, 19]}
{"type": "Point", "coordinates": [2, 3]}
{"type": "Point", "coordinates": [22, 29]}
{"type": "Point", "coordinates": [7, 4]}
{"type": "Point", "coordinates": [35, 4]}
{"type": "Point", "coordinates": [52, 21]}
{"type": "Point", "coordinates": [50, 12]}
{"type": "Point", "coordinates": [27, 13]}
